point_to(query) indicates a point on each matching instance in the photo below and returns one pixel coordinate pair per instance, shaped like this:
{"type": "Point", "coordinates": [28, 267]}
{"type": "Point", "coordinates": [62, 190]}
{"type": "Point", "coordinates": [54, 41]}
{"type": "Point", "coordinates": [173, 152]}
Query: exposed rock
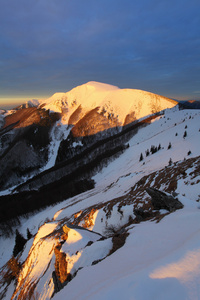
{"type": "Point", "coordinates": [161, 200]}
{"type": "Point", "coordinates": [66, 229]}
{"type": "Point", "coordinates": [60, 265]}
{"type": "Point", "coordinates": [57, 284]}
{"type": "Point", "coordinates": [142, 215]}
{"type": "Point", "coordinates": [65, 234]}
{"type": "Point", "coordinates": [88, 220]}
{"type": "Point", "coordinates": [118, 241]}
{"type": "Point", "coordinates": [9, 272]}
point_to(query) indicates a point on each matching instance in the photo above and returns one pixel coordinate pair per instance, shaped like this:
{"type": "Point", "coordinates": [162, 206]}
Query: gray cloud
{"type": "Point", "coordinates": [48, 45]}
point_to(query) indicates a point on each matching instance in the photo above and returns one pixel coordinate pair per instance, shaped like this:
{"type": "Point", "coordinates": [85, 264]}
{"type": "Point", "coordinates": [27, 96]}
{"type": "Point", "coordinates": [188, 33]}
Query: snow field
{"type": "Point", "coordinates": [120, 102]}
{"type": "Point", "coordinates": [158, 260]}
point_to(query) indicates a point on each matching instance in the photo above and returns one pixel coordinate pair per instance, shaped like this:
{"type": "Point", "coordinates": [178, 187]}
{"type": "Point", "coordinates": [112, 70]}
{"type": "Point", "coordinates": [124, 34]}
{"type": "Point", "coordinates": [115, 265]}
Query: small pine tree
{"type": "Point", "coordinates": [20, 241]}
{"type": "Point", "coordinates": [170, 161]}
{"type": "Point", "coordinates": [141, 157]}
{"type": "Point", "coordinates": [169, 146]}
{"type": "Point", "coordinates": [185, 134]}
{"type": "Point", "coordinates": [185, 126]}
{"type": "Point", "coordinates": [153, 149]}
{"type": "Point", "coordinates": [147, 152]}
{"type": "Point", "coordinates": [159, 147]}
{"type": "Point", "coordinates": [189, 152]}
{"type": "Point", "coordinates": [176, 134]}
{"type": "Point", "coordinates": [28, 234]}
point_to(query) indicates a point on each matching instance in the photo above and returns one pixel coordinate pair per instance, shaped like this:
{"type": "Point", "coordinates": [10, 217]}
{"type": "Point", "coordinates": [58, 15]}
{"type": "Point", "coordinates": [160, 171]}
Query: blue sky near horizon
{"type": "Point", "coordinates": [49, 46]}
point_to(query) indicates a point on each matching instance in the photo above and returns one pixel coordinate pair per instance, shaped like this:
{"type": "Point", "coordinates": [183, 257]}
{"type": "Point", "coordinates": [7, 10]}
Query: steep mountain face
{"type": "Point", "coordinates": [144, 208]}
{"type": "Point", "coordinates": [55, 130]}
{"type": "Point", "coordinates": [24, 140]}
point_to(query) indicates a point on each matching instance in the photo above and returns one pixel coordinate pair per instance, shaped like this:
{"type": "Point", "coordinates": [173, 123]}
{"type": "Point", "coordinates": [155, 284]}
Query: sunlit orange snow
{"type": "Point", "coordinates": [184, 270]}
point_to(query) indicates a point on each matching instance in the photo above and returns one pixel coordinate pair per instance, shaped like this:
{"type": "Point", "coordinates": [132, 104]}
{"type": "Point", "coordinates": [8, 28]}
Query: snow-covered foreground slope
{"type": "Point", "coordinates": [158, 261]}
{"type": "Point", "coordinates": [157, 253]}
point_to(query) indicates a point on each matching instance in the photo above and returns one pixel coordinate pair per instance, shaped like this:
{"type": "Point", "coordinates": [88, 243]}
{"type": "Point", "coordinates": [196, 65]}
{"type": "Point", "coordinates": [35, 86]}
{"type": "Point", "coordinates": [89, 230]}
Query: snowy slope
{"type": "Point", "coordinates": [159, 260]}
{"type": "Point", "coordinates": [167, 129]}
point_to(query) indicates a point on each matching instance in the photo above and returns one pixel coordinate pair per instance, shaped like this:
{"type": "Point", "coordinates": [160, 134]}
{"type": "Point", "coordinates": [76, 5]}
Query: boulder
{"type": "Point", "coordinates": [161, 200]}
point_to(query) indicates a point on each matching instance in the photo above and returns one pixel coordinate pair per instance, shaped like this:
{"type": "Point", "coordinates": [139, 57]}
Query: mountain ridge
{"type": "Point", "coordinates": [122, 164]}
{"type": "Point", "coordinates": [149, 243]}
{"type": "Point", "coordinates": [94, 94]}
{"type": "Point", "coordinates": [66, 124]}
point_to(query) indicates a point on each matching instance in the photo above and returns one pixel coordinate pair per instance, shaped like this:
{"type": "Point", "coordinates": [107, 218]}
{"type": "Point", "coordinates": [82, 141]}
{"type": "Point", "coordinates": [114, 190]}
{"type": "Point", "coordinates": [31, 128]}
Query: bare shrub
{"type": "Point", "coordinates": [111, 230]}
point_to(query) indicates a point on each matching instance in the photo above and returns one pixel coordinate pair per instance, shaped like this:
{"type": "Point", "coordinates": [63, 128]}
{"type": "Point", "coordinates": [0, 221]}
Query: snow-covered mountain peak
{"type": "Point", "coordinates": [100, 86]}
{"type": "Point", "coordinates": [82, 93]}
{"type": "Point", "coordinates": [109, 99]}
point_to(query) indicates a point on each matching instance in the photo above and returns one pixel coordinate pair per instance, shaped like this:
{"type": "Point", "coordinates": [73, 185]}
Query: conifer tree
{"type": "Point", "coordinates": [154, 149]}
{"type": "Point", "coordinates": [20, 241]}
{"type": "Point", "coordinates": [28, 234]}
{"type": "Point", "coordinates": [169, 146]}
{"type": "Point", "coordinates": [141, 157]}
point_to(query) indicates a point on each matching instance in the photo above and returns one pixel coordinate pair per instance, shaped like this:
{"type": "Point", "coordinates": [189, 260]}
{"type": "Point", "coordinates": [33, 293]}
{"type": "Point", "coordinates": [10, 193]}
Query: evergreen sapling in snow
{"type": "Point", "coordinates": [20, 241]}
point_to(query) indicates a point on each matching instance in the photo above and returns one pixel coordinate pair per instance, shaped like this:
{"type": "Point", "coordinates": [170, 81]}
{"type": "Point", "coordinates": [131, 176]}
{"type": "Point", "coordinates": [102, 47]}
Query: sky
{"type": "Point", "coordinates": [49, 46]}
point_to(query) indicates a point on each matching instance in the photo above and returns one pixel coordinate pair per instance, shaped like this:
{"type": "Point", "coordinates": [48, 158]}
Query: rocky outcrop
{"type": "Point", "coordinates": [161, 200]}
{"type": "Point", "coordinates": [60, 264]}
{"type": "Point", "coordinates": [88, 220]}
{"type": "Point", "coordinates": [66, 230]}
{"type": "Point", "coordinates": [60, 275]}
{"type": "Point", "coordinates": [142, 215]}
{"type": "Point", "coordinates": [8, 273]}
